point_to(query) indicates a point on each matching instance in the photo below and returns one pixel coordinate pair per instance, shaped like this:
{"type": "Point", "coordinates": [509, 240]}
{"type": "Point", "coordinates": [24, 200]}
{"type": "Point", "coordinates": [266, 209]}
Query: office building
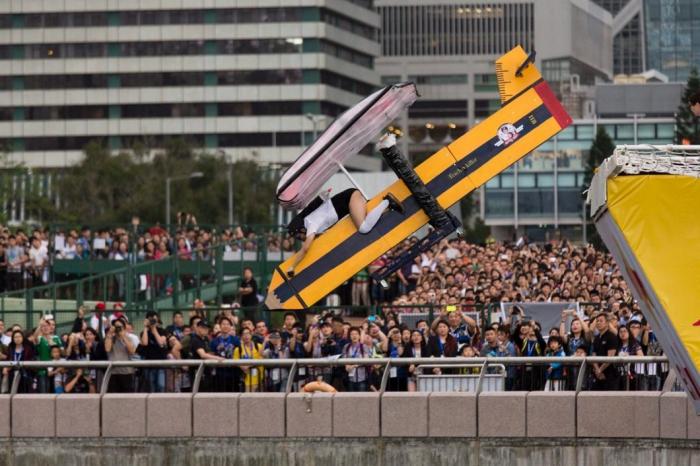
{"type": "Point", "coordinates": [251, 79]}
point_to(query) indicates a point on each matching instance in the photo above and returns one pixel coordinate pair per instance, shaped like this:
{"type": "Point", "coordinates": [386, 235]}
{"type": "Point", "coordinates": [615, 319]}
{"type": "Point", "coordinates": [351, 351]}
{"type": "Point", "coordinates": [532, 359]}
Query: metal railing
{"type": "Point", "coordinates": [294, 364]}
{"type": "Point", "coordinates": [167, 282]}
{"type": "Point", "coordinates": [64, 317]}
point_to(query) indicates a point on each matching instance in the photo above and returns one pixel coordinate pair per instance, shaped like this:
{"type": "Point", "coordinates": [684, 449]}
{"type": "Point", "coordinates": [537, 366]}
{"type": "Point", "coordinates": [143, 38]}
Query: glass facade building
{"type": "Point", "coordinates": [543, 192]}
{"type": "Point", "coordinates": [655, 34]}
{"type": "Point", "coordinates": [672, 36]}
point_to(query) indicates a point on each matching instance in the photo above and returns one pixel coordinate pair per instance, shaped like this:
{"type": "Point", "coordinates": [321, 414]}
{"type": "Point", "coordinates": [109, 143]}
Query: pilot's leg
{"type": "Point", "coordinates": [365, 221]}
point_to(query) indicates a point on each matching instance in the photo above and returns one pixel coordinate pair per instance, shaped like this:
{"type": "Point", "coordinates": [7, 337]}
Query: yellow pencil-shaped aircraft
{"type": "Point", "coordinates": [531, 114]}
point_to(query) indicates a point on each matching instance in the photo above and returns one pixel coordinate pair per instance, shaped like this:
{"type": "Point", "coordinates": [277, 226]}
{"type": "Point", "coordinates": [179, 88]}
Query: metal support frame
{"type": "Point", "coordinates": [670, 381]}
{"type": "Point", "coordinates": [290, 378]}
{"type": "Point", "coordinates": [15, 382]}
{"type": "Point", "coordinates": [105, 380]}
{"type": "Point", "coordinates": [197, 378]}
{"type": "Point", "coordinates": [480, 382]}
{"type": "Point", "coordinates": [352, 180]}
{"type": "Point", "coordinates": [385, 376]}
{"type": "Point", "coordinates": [583, 368]}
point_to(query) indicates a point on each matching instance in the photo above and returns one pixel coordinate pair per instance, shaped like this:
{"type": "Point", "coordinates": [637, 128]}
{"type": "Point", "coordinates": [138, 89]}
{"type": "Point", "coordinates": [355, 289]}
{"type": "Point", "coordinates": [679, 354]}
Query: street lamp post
{"type": "Point", "coordinates": [168, 181]}
{"type": "Point", "coordinates": [229, 181]}
{"type": "Point", "coordinates": [315, 120]}
{"type": "Point", "coordinates": [229, 178]}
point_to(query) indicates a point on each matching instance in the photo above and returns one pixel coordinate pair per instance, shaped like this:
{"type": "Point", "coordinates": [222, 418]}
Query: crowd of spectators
{"type": "Point", "coordinates": [459, 273]}
{"type": "Point", "coordinates": [26, 256]}
{"type": "Point", "coordinates": [455, 278]}
{"type": "Point", "coordinates": [230, 335]}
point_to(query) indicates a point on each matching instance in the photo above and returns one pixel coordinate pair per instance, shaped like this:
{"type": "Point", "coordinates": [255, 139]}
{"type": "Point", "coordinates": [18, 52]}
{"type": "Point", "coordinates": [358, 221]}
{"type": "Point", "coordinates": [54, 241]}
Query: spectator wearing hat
{"type": "Point", "coordinates": [153, 347]}
{"type": "Point", "coordinates": [276, 348]}
{"type": "Point", "coordinates": [200, 349]}
{"type": "Point", "coordinates": [320, 344]}
{"type": "Point", "coordinates": [99, 320]}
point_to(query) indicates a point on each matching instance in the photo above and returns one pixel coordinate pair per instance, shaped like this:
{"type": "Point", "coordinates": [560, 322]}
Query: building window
{"type": "Point", "coordinates": [439, 109]}
{"type": "Point", "coordinates": [485, 83]}
{"type": "Point", "coordinates": [439, 79]}
{"type": "Point", "coordinates": [391, 79]}
{"type": "Point", "coordinates": [449, 29]}
{"type": "Point", "coordinates": [484, 108]}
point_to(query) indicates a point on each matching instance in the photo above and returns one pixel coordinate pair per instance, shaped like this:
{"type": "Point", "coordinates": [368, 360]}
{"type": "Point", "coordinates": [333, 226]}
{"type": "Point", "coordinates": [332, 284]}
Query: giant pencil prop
{"type": "Point", "coordinates": [531, 114]}
{"type": "Point", "coordinates": [645, 202]}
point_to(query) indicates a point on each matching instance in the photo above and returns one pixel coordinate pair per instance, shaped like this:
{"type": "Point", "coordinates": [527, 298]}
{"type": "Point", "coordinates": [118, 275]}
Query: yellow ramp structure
{"type": "Point", "coordinates": [645, 202]}
{"type": "Point", "coordinates": [531, 114]}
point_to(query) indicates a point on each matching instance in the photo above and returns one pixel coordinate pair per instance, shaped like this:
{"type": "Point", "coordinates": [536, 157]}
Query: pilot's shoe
{"type": "Point", "coordinates": [394, 204]}
{"type": "Point", "coordinates": [386, 141]}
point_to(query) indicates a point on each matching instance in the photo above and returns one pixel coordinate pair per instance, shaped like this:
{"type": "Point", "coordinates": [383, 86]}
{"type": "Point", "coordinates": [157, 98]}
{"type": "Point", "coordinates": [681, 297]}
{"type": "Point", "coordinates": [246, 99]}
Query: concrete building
{"type": "Point", "coordinates": [255, 79]}
{"type": "Point", "coordinates": [448, 47]}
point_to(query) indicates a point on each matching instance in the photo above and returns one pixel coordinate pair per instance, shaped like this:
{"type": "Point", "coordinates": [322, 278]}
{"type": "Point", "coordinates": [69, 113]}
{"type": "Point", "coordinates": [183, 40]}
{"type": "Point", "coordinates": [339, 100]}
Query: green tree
{"type": "Point", "coordinates": [602, 148]}
{"type": "Point", "coordinates": [19, 184]}
{"type": "Point", "coordinates": [475, 230]}
{"type": "Point", "coordinates": [108, 188]}
{"type": "Point", "coordinates": [687, 125]}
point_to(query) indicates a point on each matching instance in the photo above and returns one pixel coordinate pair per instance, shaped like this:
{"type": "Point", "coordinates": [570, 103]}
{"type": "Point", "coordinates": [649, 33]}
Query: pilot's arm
{"type": "Point", "coordinates": [299, 256]}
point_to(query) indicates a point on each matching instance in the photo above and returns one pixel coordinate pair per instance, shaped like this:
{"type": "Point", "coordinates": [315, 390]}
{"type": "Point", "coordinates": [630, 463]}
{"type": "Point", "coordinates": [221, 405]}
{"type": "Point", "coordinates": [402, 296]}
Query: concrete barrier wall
{"type": "Point", "coordinates": [628, 415]}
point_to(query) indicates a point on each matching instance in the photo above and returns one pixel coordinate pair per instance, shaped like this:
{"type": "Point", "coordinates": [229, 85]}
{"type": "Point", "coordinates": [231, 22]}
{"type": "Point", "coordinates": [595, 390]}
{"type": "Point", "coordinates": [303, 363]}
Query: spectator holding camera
{"type": "Point", "coordinates": [99, 320]}
{"type": "Point", "coordinates": [394, 347]}
{"type": "Point", "coordinates": [462, 327]}
{"type": "Point", "coordinates": [276, 348]}
{"type": "Point", "coordinates": [120, 346]}
{"type": "Point", "coordinates": [320, 344]}
{"type": "Point", "coordinates": [578, 334]}
{"type": "Point", "coordinates": [153, 347]}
